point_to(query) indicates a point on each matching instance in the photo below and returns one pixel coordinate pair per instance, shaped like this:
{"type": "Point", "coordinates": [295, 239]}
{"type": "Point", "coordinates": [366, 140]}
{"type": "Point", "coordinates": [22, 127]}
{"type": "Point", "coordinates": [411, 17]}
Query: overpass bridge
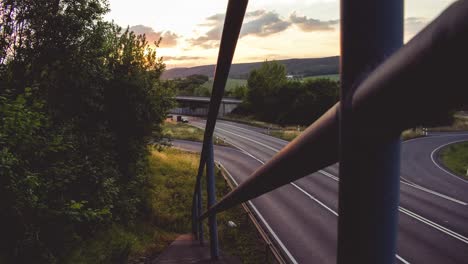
{"type": "Point", "coordinates": [198, 106]}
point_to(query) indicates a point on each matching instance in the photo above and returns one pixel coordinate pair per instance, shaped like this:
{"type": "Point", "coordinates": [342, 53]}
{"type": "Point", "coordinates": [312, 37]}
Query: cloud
{"type": "Point", "coordinates": [310, 24]}
{"type": "Point", "coordinates": [212, 36]}
{"type": "Point", "coordinates": [169, 38]}
{"type": "Point", "coordinates": [181, 58]}
{"type": "Point", "coordinates": [414, 24]}
{"type": "Point", "coordinates": [259, 23]}
{"type": "Point", "coordinates": [255, 13]}
{"type": "Point", "coordinates": [264, 24]}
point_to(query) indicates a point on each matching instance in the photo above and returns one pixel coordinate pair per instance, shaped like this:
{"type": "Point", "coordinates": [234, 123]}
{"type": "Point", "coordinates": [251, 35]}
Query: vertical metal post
{"type": "Point", "coordinates": [195, 216]}
{"type": "Point", "coordinates": [211, 191]}
{"type": "Point", "coordinates": [371, 30]}
{"type": "Point", "coordinates": [199, 210]}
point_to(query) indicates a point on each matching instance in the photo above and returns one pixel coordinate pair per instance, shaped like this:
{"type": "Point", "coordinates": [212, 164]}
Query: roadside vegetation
{"type": "Point", "coordinates": [231, 85]}
{"type": "Point", "coordinates": [80, 99]}
{"type": "Point", "coordinates": [272, 98]}
{"type": "Point", "coordinates": [412, 133]}
{"type": "Point", "coordinates": [334, 77]}
{"type": "Point", "coordinates": [250, 120]}
{"type": "Point", "coordinates": [455, 158]}
{"type": "Point", "coordinates": [172, 184]}
{"type": "Point", "coordinates": [184, 131]}
{"type": "Point", "coordinates": [201, 85]}
{"type": "Point", "coordinates": [458, 123]}
{"type": "Point", "coordinates": [286, 134]}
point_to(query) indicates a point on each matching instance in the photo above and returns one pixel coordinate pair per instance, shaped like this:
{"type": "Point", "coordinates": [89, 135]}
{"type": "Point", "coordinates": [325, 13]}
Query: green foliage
{"type": "Point", "coordinates": [79, 101]}
{"type": "Point", "coordinates": [239, 92]}
{"type": "Point", "coordinates": [176, 130]}
{"type": "Point", "coordinates": [412, 133]}
{"type": "Point", "coordinates": [334, 77]}
{"type": "Point", "coordinates": [455, 158]}
{"type": "Point", "coordinates": [231, 85]}
{"type": "Point", "coordinates": [192, 85]}
{"type": "Point", "coordinates": [264, 86]}
{"type": "Point", "coordinates": [272, 98]}
{"type": "Point", "coordinates": [172, 184]}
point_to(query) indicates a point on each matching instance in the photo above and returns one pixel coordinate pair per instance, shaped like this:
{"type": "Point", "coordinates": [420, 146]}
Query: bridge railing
{"type": "Point", "coordinates": [385, 89]}
{"type": "Point", "coordinates": [232, 25]}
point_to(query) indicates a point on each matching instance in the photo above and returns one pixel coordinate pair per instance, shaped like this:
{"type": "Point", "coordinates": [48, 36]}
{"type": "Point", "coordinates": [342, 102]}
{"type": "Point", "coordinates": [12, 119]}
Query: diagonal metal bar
{"type": "Point", "coordinates": [232, 25]}
{"type": "Point", "coordinates": [417, 85]}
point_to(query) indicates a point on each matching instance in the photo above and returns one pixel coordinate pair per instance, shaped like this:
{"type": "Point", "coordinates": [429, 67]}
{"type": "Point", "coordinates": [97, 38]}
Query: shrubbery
{"type": "Point", "coordinates": [273, 98]}
{"type": "Point", "coordinates": [79, 100]}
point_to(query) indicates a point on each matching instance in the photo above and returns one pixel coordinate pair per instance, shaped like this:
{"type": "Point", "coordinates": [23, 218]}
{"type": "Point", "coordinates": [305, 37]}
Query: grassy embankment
{"type": "Point", "coordinates": [184, 131]}
{"type": "Point", "coordinates": [334, 77]}
{"type": "Point", "coordinates": [455, 158]}
{"type": "Point", "coordinates": [173, 183]}
{"type": "Point", "coordinates": [168, 214]}
{"type": "Point", "coordinates": [178, 130]}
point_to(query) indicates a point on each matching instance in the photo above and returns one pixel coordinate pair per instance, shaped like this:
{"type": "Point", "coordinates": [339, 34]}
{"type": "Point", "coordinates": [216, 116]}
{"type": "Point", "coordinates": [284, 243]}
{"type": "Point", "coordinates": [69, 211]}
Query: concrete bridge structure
{"type": "Point", "coordinates": [198, 106]}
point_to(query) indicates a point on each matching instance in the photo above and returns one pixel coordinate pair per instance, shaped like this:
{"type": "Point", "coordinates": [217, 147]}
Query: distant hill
{"type": "Point", "coordinates": [306, 67]}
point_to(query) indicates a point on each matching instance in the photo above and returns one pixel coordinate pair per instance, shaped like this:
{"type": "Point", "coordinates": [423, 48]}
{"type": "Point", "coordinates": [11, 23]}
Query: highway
{"type": "Point", "coordinates": [301, 217]}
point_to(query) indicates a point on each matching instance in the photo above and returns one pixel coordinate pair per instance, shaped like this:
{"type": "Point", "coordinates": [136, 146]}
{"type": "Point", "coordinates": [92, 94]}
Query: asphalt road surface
{"type": "Point", "coordinates": [301, 217]}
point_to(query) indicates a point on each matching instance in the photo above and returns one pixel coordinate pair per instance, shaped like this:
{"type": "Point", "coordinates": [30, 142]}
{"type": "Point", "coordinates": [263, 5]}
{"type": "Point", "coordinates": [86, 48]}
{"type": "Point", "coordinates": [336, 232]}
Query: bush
{"type": "Point", "coordinates": [273, 98]}
{"type": "Point", "coordinates": [80, 99]}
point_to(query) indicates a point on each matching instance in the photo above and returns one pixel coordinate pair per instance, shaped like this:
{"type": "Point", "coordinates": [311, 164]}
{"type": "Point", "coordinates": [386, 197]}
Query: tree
{"type": "Point", "coordinates": [192, 85]}
{"type": "Point", "coordinates": [80, 99]}
{"type": "Point", "coordinates": [240, 92]}
{"type": "Point", "coordinates": [263, 88]}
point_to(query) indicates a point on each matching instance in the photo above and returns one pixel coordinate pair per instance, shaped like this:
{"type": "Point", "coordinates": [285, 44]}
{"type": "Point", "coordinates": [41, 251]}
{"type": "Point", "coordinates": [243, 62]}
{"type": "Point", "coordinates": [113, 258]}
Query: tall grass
{"type": "Point", "coordinates": [455, 158]}
{"type": "Point", "coordinates": [175, 130]}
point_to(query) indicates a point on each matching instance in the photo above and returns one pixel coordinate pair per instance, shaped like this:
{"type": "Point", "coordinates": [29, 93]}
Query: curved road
{"type": "Point", "coordinates": [302, 216]}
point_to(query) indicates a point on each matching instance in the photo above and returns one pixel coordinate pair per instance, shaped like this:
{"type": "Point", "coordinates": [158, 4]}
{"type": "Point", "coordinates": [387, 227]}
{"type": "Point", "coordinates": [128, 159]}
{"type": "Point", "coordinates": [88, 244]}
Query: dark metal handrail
{"type": "Point", "coordinates": [232, 25]}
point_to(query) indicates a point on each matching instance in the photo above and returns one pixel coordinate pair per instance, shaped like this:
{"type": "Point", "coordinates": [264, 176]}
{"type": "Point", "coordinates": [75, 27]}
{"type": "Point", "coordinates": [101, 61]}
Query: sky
{"type": "Point", "coordinates": [272, 29]}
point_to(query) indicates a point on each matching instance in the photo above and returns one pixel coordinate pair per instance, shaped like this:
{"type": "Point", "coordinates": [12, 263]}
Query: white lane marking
{"type": "Point", "coordinates": [315, 199]}
{"type": "Point", "coordinates": [416, 186]}
{"type": "Point", "coordinates": [241, 149]}
{"type": "Point", "coordinates": [440, 167]}
{"type": "Point", "coordinates": [408, 212]}
{"type": "Point", "coordinates": [402, 260]}
{"type": "Point", "coordinates": [435, 193]}
{"type": "Point", "coordinates": [253, 140]}
{"type": "Point", "coordinates": [422, 219]}
{"type": "Point", "coordinates": [321, 171]}
{"type": "Point", "coordinates": [334, 212]}
{"type": "Point", "coordinates": [434, 225]}
{"type": "Point", "coordinates": [278, 240]}
{"type": "Point", "coordinates": [311, 196]}
{"type": "Point", "coordinates": [250, 131]}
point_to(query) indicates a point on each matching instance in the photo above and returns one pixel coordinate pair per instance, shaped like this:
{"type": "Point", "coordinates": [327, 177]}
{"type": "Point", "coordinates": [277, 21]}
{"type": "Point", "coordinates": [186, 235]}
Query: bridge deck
{"type": "Point", "coordinates": [187, 250]}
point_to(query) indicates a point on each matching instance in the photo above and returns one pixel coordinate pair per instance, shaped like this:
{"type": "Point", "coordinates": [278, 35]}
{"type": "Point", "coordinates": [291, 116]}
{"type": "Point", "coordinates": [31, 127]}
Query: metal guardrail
{"type": "Point", "coordinates": [415, 85]}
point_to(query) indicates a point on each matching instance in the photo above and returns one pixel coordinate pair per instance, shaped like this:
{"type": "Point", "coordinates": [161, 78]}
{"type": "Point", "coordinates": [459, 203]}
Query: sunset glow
{"type": "Point", "coordinates": [276, 29]}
